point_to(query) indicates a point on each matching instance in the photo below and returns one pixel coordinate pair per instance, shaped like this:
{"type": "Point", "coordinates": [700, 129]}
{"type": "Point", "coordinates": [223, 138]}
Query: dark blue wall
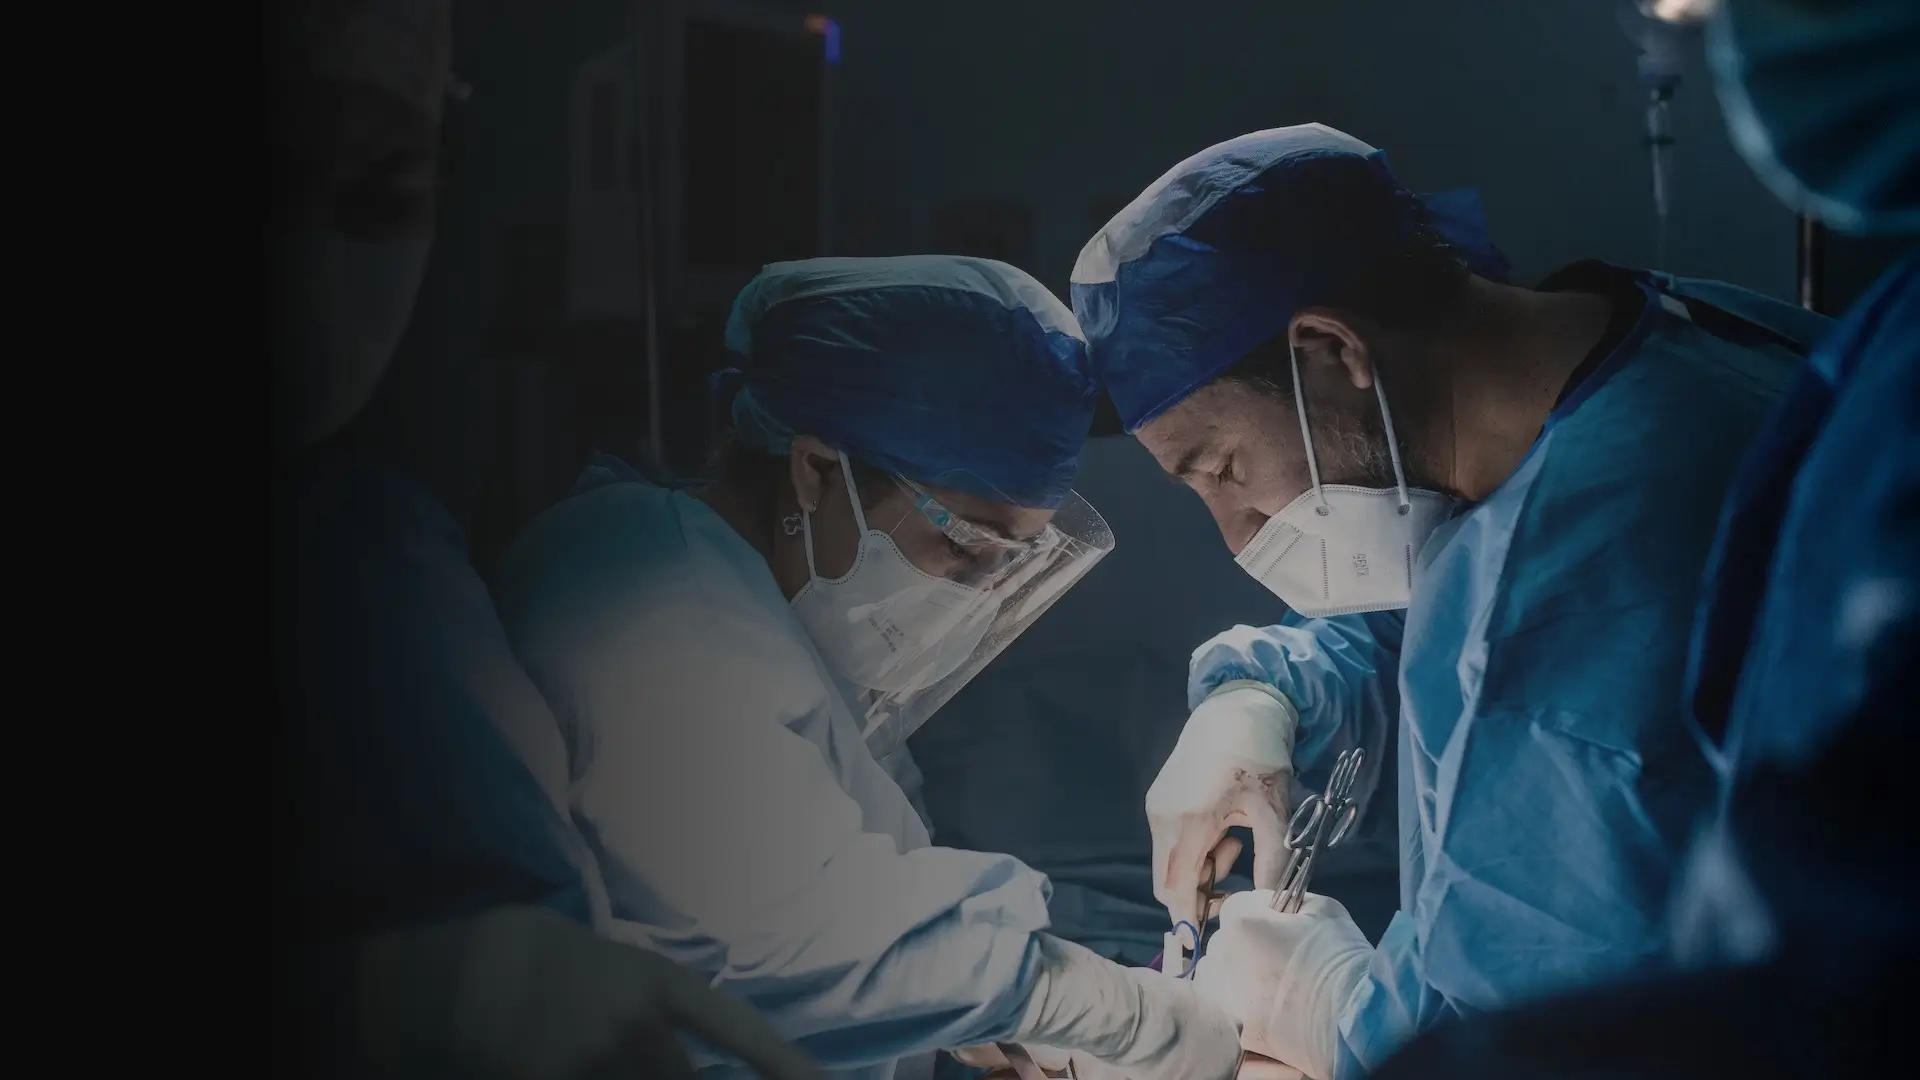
{"type": "Point", "coordinates": [1075, 105]}
{"type": "Point", "coordinates": [1067, 102]}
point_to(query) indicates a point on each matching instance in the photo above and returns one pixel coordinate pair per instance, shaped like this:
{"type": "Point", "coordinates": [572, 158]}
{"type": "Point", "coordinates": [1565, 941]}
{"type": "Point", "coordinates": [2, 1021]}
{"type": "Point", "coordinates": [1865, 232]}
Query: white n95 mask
{"type": "Point", "coordinates": [1339, 549]}
{"type": "Point", "coordinates": [882, 624]}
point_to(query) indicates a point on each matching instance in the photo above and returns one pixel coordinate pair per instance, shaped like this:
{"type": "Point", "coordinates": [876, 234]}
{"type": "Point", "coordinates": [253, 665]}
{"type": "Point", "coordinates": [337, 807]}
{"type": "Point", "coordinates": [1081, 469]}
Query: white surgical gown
{"type": "Point", "coordinates": [1548, 782]}
{"type": "Point", "coordinates": [743, 827]}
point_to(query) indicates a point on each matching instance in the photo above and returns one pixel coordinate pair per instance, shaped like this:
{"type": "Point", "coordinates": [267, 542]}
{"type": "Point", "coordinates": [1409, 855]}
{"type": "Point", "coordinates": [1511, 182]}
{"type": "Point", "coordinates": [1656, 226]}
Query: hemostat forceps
{"type": "Point", "coordinates": [1321, 822]}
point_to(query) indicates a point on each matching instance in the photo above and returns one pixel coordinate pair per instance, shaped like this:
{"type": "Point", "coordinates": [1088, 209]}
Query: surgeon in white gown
{"type": "Point", "coordinates": [731, 661]}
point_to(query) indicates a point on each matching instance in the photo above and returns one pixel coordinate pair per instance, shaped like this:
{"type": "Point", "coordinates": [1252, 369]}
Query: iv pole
{"type": "Point", "coordinates": [1663, 46]}
{"type": "Point", "coordinates": [1662, 59]}
{"type": "Point", "coordinates": [649, 31]}
{"type": "Point", "coordinates": [1811, 265]}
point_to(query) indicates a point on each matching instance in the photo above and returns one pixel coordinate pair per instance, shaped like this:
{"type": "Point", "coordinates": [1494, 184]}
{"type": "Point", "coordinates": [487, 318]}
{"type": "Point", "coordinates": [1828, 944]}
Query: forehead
{"type": "Point", "coordinates": [1209, 421]}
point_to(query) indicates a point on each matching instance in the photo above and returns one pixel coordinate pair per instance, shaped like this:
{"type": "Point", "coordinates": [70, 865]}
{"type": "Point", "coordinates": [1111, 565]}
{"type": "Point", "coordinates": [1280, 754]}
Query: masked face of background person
{"type": "Point", "coordinates": [356, 95]}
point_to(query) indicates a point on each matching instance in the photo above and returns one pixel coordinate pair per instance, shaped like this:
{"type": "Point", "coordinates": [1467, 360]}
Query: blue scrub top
{"type": "Point", "coordinates": [1806, 676]}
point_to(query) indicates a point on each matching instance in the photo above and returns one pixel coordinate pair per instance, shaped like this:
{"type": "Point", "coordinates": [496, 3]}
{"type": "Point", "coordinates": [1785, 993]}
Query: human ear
{"type": "Point", "coordinates": [811, 463]}
{"type": "Point", "coordinates": [1321, 336]}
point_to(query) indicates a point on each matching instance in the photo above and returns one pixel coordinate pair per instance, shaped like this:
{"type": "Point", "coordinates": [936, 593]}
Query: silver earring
{"type": "Point", "coordinates": [791, 524]}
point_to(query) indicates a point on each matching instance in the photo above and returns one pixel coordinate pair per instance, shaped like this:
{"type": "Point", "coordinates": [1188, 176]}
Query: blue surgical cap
{"type": "Point", "coordinates": [959, 373]}
{"type": "Point", "coordinates": [1216, 256]}
{"type": "Point", "coordinates": [1823, 101]}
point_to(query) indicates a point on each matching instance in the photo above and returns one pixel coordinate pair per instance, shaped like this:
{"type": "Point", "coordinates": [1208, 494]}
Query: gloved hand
{"type": "Point", "coordinates": [1258, 1067]}
{"type": "Point", "coordinates": [521, 993]}
{"type": "Point", "coordinates": [1232, 766]}
{"type": "Point", "coordinates": [1286, 978]}
{"type": "Point", "coordinates": [1058, 1063]}
{"type": "Point", "coordinates": [1053, 1060]}
{"type": "Point", "coordinates": [1135, 1022]}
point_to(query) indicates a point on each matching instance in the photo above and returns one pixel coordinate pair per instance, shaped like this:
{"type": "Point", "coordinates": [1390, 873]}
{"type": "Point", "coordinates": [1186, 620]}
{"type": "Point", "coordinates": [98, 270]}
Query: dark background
{"type": "Point", "coordinates": [995, 128]}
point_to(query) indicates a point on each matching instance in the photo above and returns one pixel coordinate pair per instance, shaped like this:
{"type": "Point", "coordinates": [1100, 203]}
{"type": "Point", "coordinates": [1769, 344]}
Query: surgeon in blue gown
{"type": "Point", "coordinates": [1798, 915]}
{"type": "Point", "coordinates": [736, 663]}
{"type": "Point", "coordinates": [1378, 422]}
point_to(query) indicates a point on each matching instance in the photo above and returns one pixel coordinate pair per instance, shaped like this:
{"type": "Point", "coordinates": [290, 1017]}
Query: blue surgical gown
{"type": "Point", "coordinates": [1804, 674]}
{"type": "Point", "coordinates": [1807, 652]}
{"type": "Point", "coordinates": [744, 828]}
{"type": "Point", "coordinates": [1547, 781]}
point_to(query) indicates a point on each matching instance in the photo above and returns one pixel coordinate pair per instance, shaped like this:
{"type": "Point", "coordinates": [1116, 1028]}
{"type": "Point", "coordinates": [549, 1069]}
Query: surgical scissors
{"type": "Point", "coordinates": [1321, 822]}
{"type": "Point", "coordinates": [1174, 948]}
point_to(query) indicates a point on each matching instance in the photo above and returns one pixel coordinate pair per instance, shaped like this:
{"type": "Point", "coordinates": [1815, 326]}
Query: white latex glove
{"type": "Point", "coordinates": [1053, 1061]}
{"type": "Point", "coordinates": [1232, 766]}
{"type": "Point", "coordinates": [1050, 1058]}
{"type": "Point", "coordinates": [1254, 1067]}
{"type": "Point", "coordinates": [1136, 1022]}
{"type": "Point", "coordinates": [523, 994]}
{"type": "Point", "coordinates": [1286, 978]}
{"type": "Point", "coordinates": [1056, 1064]}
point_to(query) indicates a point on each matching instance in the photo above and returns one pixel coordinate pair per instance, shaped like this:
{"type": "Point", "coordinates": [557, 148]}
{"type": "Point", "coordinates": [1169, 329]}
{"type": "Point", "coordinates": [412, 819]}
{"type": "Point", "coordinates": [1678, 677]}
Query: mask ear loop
{"type": "Point", "coordinates": [875, 716]}
{"type": "Point", "coordinates": [859, 516]}
{"type": "Point", "coordinates": [806, 539]}
{"type": "Point", "coordinates": [853, 492]}
{"type": "Point", "coordinates": [1306, 435]}
{"type": "Point", "coordinates": [1393, 444]}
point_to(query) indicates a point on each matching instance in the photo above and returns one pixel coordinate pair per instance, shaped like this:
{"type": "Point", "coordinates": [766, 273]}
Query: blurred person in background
{"type": "Point", "coordinates": [433, 907]}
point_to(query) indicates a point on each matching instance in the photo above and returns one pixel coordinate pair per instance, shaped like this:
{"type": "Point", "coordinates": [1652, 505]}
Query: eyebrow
{"type": "Point", "coordinates": [1189, 462]}
{"type": "Point", "coordinates": [997, 528]}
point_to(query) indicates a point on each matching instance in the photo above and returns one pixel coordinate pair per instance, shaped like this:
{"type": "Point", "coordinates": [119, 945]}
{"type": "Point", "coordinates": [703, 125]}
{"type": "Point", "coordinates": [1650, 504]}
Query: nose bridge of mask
{"type": "Point", "coordinates": [1272, 542]}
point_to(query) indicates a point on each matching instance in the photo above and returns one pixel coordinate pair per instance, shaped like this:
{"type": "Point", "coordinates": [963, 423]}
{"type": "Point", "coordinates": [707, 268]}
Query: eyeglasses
{"type": "Point", "coordinates": [990, 553]}
{"type": "Point", "coordinates": [959, 529]}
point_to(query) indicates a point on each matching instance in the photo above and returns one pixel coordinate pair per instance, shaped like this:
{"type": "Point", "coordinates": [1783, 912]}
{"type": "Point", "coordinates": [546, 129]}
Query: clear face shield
{"type": "Point", "coordinates": [933, 598]}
